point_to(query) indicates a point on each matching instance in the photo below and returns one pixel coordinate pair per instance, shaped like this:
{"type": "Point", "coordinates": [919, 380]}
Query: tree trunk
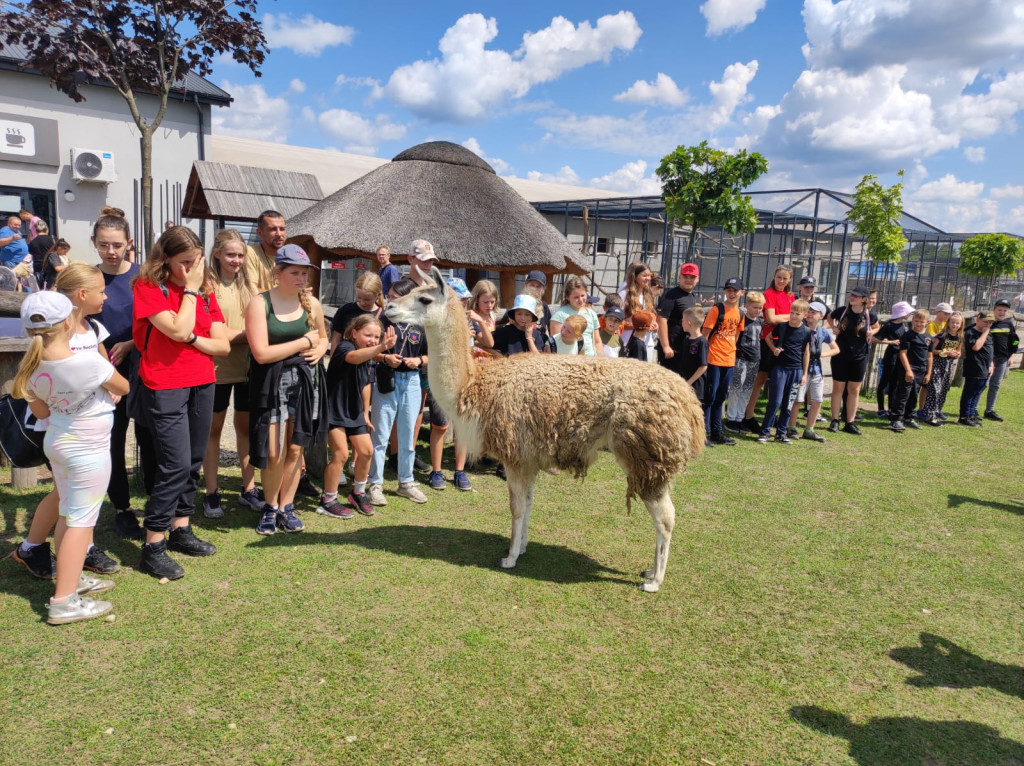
{"type": "Point", "coordinates": [146, 148]}
{"type": "Point", "coordinates": [24, 478]}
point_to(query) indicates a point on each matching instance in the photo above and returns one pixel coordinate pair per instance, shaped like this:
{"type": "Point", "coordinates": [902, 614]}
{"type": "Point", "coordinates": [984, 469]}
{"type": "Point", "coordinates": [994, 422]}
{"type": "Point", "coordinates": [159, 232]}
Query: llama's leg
{"type": "Point", "coordinates": [520, 496]}
{"type": "Point", "coordinates": [663, 514]}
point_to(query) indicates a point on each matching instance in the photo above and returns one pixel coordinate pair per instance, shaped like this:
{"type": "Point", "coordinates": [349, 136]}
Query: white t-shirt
{"type": "Point", "coordinates": [89, 340]}
{"type": "Point", "coordinates": [72, 388]}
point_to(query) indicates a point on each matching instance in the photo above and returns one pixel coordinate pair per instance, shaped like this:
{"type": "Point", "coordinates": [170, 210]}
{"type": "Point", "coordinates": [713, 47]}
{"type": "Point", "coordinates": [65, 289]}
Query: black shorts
{"type": "Point", "coordinates": [847, 370]}
{"type": "Point", "coordinates": [222, 395]}
{"type": "Point", "coordinates": [767, 358]}
{"type": "Point", "coordinates": [356, 430]}
{"type": "Point", "coordinates": [438, 418]}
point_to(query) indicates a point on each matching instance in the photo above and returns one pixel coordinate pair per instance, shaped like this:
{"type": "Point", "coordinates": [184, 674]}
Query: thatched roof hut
{"type": "Point", "coordinates": [444, 193]}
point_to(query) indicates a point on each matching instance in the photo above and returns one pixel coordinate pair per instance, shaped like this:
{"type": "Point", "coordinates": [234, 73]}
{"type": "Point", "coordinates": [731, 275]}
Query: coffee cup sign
{"type": "Point", "coordinates": [19, 138]}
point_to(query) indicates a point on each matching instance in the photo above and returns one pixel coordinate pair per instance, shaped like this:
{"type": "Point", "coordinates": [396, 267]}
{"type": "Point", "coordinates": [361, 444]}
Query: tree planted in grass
{"type": "Point", "coordinates": [702, 186]}
{"type": "Point", "coordinates": [876, 214]}
{"type": "Point", "coordinates": [137, 48]}
{"type": "Point", "coordinates": [991, 255]}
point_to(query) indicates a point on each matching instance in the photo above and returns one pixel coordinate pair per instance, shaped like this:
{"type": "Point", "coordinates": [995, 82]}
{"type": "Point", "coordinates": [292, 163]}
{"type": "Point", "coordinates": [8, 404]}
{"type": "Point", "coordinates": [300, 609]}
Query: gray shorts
{"type": "Point", "coordinates": [815, 385]}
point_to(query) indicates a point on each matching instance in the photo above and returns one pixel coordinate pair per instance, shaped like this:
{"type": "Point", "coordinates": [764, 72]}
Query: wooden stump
{"type": "Point", "coordinates": [24, 478]}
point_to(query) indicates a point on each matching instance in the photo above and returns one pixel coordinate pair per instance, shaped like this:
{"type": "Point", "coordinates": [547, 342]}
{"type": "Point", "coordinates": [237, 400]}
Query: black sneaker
{"type": "Point", "coordinates": [39, 561]}
{"type": "Point", "coordinates": [912, 424]}
{"type": "Point", "coordinates": [127, 527]}
{"type": "Point", "coordinates": [934, 422]}
{"type": "Point", "coordinates": [750, 425]}
{"type": "Point", "coordinates": [307, 487]}
{"type": "Point", "coordinates": [968, 422]}
{"type": "Point", "coordinates": [156, 562]}
{"type": "Point", "coordinates": [977, 421]}
{"type": "Point", "coordinates": [897, 426]}
{"type": "Point", "coordinates": [334, 509]}
{"type": "Point", "coordinates": [253, 498]}
{"type": "Point", "coordinates": [781, 438]}
{"type": "Point", "coordinates": [993, 415]}
{"type": "Point", "coordinates": [717, 437]}
{"type": "Point", "coordinates": [182, 540]}
{"type": "Point", "coordinates": [851, 428]}
{"type": "Point", "coordinates": [732, 426]}
{"type": "Point", "coordinates": [792, 434]}
{"type": "Point", "coordinates": [97, 560]}
{"type": "Point", "coordinates": [833, 427]}
{"type": "Point", "coordinates": [419, 465]}
{"type": "Point", "coordinates": [361, 503]}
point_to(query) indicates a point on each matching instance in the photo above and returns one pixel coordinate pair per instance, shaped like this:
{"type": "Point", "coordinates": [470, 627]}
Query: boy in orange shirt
{"type": "Point", "coordinates": [722, 326]}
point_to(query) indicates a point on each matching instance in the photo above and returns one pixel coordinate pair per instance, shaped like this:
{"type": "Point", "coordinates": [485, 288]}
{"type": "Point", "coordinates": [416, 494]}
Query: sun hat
{"type": "Point", "coordinates": [293, 255]}
{"type": "Point", "coordinates": [422, 250]}
{"type": "Point", "coordinates": [44, 309]}
{"type": "Point", "coordinates": [901, 310]}
{"type": "Point", "coordinates": [526, 303]}
{"type": "Point", "coordinates": [459, 287]}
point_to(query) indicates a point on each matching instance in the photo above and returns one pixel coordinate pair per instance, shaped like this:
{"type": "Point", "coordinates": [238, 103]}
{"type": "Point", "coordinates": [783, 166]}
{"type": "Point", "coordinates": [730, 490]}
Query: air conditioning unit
{"type": "Point", "coordinates": [92, 166]}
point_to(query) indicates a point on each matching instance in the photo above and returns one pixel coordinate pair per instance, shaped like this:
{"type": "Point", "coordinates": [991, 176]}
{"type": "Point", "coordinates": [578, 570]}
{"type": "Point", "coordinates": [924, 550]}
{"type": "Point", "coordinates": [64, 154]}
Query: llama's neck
{"type": "Point", "coordinates": [451, 363]}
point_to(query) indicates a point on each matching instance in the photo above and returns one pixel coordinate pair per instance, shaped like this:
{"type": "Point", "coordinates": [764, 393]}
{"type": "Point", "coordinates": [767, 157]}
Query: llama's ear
{"type": "Point", "coordinates": [439, 283]}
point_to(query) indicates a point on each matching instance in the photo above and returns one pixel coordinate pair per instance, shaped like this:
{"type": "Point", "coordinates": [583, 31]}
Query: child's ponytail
{"type": "Point", "coordinates": [29, 363]}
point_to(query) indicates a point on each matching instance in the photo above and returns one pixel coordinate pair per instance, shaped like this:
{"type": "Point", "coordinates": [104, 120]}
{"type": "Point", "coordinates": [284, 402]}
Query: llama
{"type": "Point", "coordinates": [540, 411]}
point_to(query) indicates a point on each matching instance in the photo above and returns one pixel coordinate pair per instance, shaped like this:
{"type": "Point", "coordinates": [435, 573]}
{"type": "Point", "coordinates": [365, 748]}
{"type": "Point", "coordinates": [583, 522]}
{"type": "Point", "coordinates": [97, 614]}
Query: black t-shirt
{"type": "Point", "coordinates": [918, 347]}
{"type": "Point", "coordinates": [50, 264]}
{"type": "Point", "coordinates": [1001, 333]}
{"type": "Point", "coordinates": [976, 362]}
{"type": "Point", "coordinates": [853, 340]}
{"type": "Point", "coordinates": [891, 330]}
{"type": "Point", "coordinates": [346, 314]}
{"type": "Point", "coordinates": [692, 354]}
{"type": "Point", "coordinates": [411, 342]}
{"type": "Point", "coordinates": [637, 349]}
{"type": "Point", "coordinates": [511, 340]}
{"type": "Point", "coordinates": [39, 247]}
{"type": "Point", "coordinates": [792, 341]}
{"type": "Point", "coordinates": [671, 306]}
{"type": "Point", "coordinates": [345, 383]}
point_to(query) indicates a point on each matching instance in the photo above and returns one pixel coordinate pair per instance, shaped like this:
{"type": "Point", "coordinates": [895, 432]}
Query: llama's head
{"type": "Point", "coordinates": [425, 306]}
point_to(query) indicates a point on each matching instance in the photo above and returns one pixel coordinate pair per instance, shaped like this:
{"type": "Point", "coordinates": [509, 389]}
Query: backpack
{"type": "Point", "coordinates": [720, 307]}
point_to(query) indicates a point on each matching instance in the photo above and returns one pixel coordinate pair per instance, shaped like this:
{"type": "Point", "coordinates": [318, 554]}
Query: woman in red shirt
{"type": "Point", "coordinates": [178, 328]}
{"type": "Point", "coordinates": [777, 300]}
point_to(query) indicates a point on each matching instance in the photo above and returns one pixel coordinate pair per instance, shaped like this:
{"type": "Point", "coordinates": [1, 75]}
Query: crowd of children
{"type": "Point", "coordinates": [206, 332]}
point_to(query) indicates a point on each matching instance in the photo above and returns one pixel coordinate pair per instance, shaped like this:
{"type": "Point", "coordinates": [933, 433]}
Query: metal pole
{"type": "Point", "coordinates": [597, 224]}
{"type": "Point", "coordinates": [842, 264]}
{"type": "Point", "coordinates": [629, 231]}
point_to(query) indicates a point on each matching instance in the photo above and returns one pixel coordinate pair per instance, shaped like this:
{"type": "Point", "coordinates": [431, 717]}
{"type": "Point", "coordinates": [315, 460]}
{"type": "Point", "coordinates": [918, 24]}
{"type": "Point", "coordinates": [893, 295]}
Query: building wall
{"type": "Point", "coordinates": [102, 122]}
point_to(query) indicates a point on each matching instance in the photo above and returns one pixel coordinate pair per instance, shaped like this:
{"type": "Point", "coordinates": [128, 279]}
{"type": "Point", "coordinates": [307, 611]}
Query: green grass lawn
{"type": "Point", "coordinates": [853, 602]}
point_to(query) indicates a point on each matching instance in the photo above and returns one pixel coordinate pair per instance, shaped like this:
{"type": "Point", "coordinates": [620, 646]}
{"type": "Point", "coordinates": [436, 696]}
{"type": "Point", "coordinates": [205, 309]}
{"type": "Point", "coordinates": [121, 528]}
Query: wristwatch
{"type": "Point", "coordinates": [192, 340]}
{"type": "Point", "coordinates": [193, 293]}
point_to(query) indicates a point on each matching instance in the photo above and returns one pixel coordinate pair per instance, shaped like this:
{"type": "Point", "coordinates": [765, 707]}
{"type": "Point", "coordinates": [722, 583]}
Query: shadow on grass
{"type": "Point", "coordinates": [955, 501]}
{"type": "Point", "coordinates": [942, 663]}
{"type": "Point", "coordinates": [463, 547]}
{"type": "Point", "coordinates": [888, 741]}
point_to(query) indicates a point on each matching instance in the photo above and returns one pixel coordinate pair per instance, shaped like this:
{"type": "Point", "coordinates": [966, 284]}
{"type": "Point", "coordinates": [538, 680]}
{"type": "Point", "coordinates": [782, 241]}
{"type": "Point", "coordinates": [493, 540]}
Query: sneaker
{"type": "Point", "coordinates": [920, 415]}
{"type": "Point", "coordinates": [419, 465]}
{"type": "Point", "coordinates": [39, 561]}
{"type": "Point", "coordinates": [376, 495]}
{"type": "Point", "coordinates": [461, 481]}
{"type": "Point", "coordinates": [820, 419]}
{"type": "Point", "coordinates": [833, 427]}
{"type": "Point", "coordinates": [942, 416]}
{"type": "Point", "coordinates": [883, 414]}
{"type": "Point", "coordinates": [334, 509]}
{"type": "Point", "coordinates": [87, 584]}
{"type": "Point", "coordinates": [934, 422]}
{"type": "Point", "coordinates": [812, 436]}
{"type": "Point", "coordinates": [897, 426]}
{"type": "Point", "coordinates": [156, 562]}
{"type": "Point", "coordinates": [252, 498]}
{"type": "Point", "coordinates": [781, 438]}
{"type": "Point", "coordinates": [750, 425]}
{"type": "Point", "coordinates": [288, 520]}
{"type": "Point", "coordinates": [361, 503]}
{"type": "Point", "coordinates": [412, 492]}
{"type": "Point", "coordinates": [993, 415]}
{"type": "Point", "coordinates": [307, 487]}
{"type": "Point", "coordinates": [183, 540]}
{"type": "Point", "coordinates": [912, 424]}
{"type": "Point", "coordinates": [76, 609]}
{"type": "Point", "coordinates": [97, 560]}
{"type": "Point", "coordinates": [436, 480]}
{"type": "Point", "coordinates": [762, 439]}
{"type": "Point", "coordinates": [268, 521]}
{"type": "Point", "coordinates": [852, 428]}
{"type": "Point", "coordinates": [720, 438]}
{"type": "Point", "coordinates": [791, 433]}
{"type": "Point", "coordinates": [393, 463]}
{"type": "Point", "coordinates": [211, 506]}
{"type": "Point", "coordinates": [976, 420]}
{"type": "Point", "coordinates": [127, 527]}
{"type": "Point", "coordinates": [732, 426]}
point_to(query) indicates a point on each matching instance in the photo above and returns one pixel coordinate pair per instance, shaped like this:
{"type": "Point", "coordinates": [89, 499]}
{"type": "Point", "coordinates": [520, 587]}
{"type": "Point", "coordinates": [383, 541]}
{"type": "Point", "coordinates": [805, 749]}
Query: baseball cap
{"type": "Point", "coordinates": [818, 307]}
{"type": "Point", "coordinates": [860, 291]}
{"type": "Point", "coordinates": [689, 270]}
{"type": "Point", "coordinates": [616, 312]}
{"type": "Point", "coordinates": [593, 299]}
{"type": "Point", "coordinates": [459, 287]}
{"type": "Point", "coordinates": [422, 250]}
{"type": "Point", "coordinates": [902, 309]}
{"type": "Point", "coordinates": [44, 309]}
{"type": "Point", "coordinates": [948, 308]}
{"type": "Point", "coordinates": [732, 283]}
{"type": "Point", "coordinates": [807, 279]}
{"type": "Point", "coordinates": [1002, 302]}
{"type": "Point", "coordinates": [526, 303]}
{"type": "Point", "coordinates": [537, 276]}
{"type": "Point", "coordinates": [293, 255]}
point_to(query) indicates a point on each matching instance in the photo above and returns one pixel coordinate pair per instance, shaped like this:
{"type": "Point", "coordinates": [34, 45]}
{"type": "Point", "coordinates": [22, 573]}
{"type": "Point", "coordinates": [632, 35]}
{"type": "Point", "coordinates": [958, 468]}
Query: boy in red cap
{"type": "Point", "coordinates": [673, 303]}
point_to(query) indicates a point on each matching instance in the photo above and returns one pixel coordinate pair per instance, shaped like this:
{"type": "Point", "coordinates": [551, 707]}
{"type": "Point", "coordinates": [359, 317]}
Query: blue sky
{"type": "Point", "coordinates": [594, 94]}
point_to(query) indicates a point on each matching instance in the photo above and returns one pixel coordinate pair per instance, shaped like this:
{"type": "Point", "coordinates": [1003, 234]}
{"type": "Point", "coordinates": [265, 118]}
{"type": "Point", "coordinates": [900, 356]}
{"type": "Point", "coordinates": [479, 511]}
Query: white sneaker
{"type": "Point", "coordinates": [376, 495]}
{"type": "Point", "coordinates": [412, 492]}
{"type": "Point", "coordinates": [92, 585]}
{"type": "Point", "coordinates": [76, 609]}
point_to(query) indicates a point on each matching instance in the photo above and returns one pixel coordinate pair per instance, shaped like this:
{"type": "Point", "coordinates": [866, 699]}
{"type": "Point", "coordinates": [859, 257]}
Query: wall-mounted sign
{"type": "Point", "coordinates": [28, 139]}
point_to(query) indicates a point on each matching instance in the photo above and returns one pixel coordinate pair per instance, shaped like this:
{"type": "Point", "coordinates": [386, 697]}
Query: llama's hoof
{"type": "Point", "coordinates": [649, 587]}
{"type": "Point", "coordinates": [507, 563]}
{"type": "Point", "coordinates": [647, 574]}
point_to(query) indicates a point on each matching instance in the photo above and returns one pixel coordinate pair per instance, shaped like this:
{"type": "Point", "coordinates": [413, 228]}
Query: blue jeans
{"type": "Point", "coordinates": [970, 396]}
{"type": "Point", "coordinates": [783, 384]}
{"type": "Point", "coordinates": [716, 388]}
{"type": "Point", "coordinates": [400, 408]}
{"type": "Point", "coordinates": [994, 381]}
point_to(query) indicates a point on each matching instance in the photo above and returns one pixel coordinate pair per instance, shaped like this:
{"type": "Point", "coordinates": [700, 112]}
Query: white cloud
{"type": "Point", "coordinates": [565, 175]}
{"type": "Point", "coordinates": [1006, 192]}
{"type": "Point", "coordinates": [631, 179]}
{"type": "Point", "coordinates": [625, 135]}
{"type": "Point", "coordinates": [297, 86]}
{"type": "Point", "coordinates": [662, 91]}
{"type": "Point", "coordinates": [974, 153]}
{"type": "Point", "coordinates": [987, 113]}
{"type": "Point", "coordinates": [358, 134]}
{"type": "Point", "coordinates": [948, 189]}
{"type": "Point", "coordinates": [468, 80]}
{"type": "Point", "coordinates": [308, 114]}
{"type": "Point", "coordinates": [728, 94]}
{"type": "Point", "coordinates": [253, 114]}
{"type": "Point", "coordinates": [726, 15]}
{"type": "Point", "coordinates": [499, 165]}
{"type": "Point", "coordinates": [308, 36]}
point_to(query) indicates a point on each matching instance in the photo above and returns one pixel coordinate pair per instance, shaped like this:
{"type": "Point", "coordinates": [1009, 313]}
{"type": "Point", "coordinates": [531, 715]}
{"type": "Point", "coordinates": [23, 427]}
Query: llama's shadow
{"type": "Point", "coordinates": [942, 663]}
{"type": "Point", "coordinates": [1014, 506]}
{"type": "Point", "coordinates": [466, 548]}
{"type": "Point", "coordinates": [911, 740]}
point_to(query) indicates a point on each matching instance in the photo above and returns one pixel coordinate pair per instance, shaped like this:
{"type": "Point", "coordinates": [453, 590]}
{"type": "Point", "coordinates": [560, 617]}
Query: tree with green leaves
{"type": "Point", "coordinates": [991, 255]}
{"type": "Point", "coordinates": [876, 214]}
{"type": "Point", "coordinates": [702, 187]}
{"type": "Point", "coordinates": [137, 48]}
